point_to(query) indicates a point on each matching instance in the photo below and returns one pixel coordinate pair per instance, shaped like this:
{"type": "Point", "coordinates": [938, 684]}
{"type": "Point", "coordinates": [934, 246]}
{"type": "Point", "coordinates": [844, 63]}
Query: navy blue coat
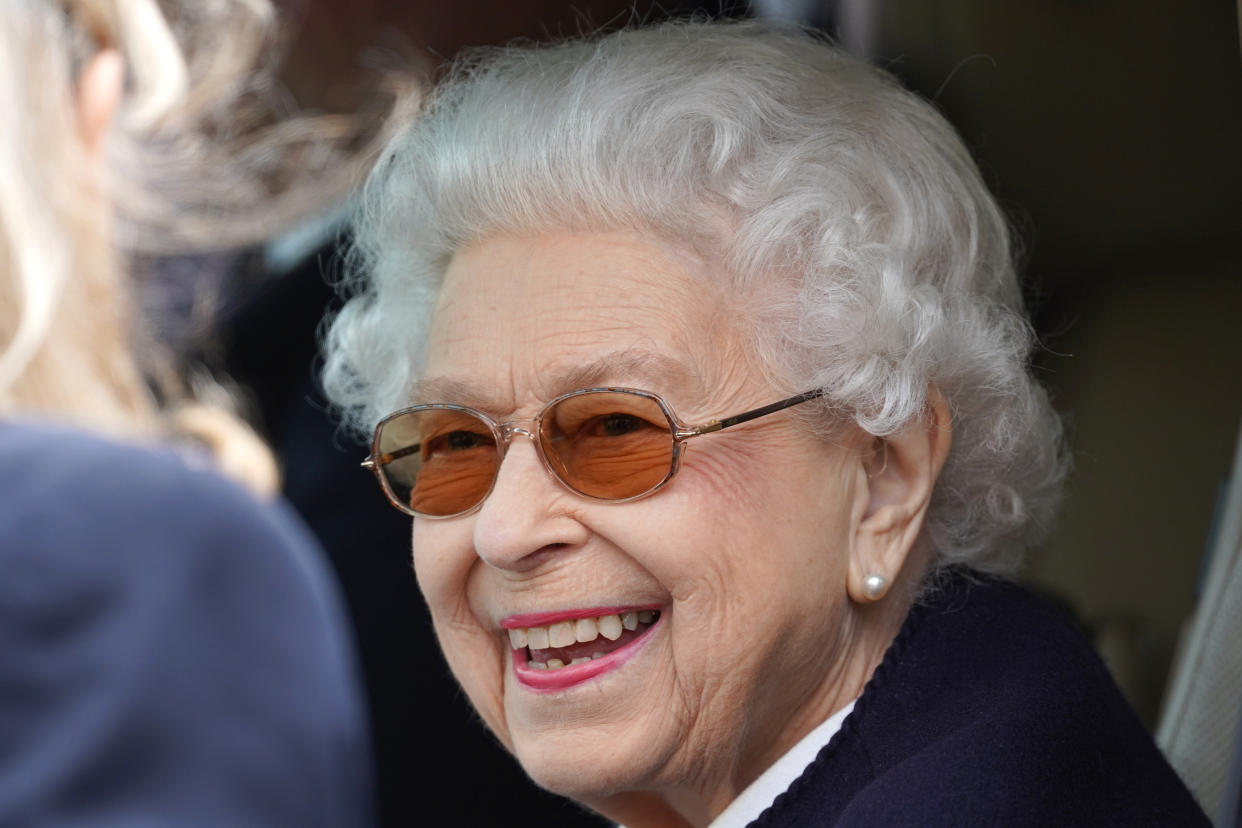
{"type": "Point", "coordinates": [989, 709]}
{"type": "Point", "coordinates": [172, 652]}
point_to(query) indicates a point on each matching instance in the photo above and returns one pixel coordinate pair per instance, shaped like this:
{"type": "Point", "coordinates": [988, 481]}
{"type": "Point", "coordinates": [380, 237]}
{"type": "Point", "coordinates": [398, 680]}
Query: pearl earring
{"type": "Point", "coordinates": [874, 586]}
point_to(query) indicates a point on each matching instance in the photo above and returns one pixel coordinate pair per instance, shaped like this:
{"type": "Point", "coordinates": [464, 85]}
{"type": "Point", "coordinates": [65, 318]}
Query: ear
{"type": "Point", "coordinates": [900, 473]}
{"type": "Point", "coordinates": [99, 96]}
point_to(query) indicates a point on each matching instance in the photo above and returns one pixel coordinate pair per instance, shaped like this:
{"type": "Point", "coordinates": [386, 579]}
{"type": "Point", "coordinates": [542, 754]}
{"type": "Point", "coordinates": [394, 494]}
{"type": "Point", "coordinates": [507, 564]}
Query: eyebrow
{"type": "Point", "coordinates": [662, 373]}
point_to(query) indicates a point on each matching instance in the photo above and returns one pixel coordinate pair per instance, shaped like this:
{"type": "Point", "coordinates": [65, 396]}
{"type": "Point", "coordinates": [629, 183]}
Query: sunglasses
{"type": "Point", "coordinates": [613, 444]}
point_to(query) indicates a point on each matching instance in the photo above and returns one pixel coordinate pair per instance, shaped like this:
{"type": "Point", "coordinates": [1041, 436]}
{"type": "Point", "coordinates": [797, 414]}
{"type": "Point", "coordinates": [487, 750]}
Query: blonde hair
{"type": "Point", "coordinates": [198, 157]}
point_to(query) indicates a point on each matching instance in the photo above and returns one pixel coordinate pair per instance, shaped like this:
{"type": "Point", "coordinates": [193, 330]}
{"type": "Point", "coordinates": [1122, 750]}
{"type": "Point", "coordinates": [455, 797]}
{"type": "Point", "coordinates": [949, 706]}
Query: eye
{"type": "Point", "coordinates": [454, 441]}
{"type": "Point", "coordinates": [604, 416]}
{"type": "Point", "coordinates": [616, 425]}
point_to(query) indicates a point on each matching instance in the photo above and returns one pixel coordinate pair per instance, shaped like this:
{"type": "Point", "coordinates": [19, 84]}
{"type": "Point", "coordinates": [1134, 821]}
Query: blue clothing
{"type": "Point", "coordinates": [989, 709]}
{"type": "Point", "coordinates": [172, 652]}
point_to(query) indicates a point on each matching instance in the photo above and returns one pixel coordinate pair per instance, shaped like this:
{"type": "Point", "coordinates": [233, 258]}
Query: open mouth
{"type": "Point", "coordinates": [570, 650]}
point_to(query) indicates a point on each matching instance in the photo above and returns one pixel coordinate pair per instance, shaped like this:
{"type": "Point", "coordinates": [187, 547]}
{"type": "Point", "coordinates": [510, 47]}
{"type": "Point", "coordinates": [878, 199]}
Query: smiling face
{"type": "Point", "coordinates": [717, 605]}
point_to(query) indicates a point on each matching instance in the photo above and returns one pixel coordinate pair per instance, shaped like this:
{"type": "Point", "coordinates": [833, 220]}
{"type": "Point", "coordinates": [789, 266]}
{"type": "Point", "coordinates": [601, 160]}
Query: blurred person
{"type": "Point", "coordinates": [172, 649]}
{"type": "Point", "coordinates": [697, 356]}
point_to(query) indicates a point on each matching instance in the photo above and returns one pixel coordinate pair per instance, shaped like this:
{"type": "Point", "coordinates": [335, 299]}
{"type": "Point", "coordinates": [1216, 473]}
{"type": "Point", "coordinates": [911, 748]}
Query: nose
{"type": "Point", "coordinates": [527, 517]}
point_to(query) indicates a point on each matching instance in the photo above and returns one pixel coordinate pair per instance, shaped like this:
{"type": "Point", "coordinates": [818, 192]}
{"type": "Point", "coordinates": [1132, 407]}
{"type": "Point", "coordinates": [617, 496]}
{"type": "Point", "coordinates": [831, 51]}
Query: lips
{"type": "Point", "coordinates": [554, 651]}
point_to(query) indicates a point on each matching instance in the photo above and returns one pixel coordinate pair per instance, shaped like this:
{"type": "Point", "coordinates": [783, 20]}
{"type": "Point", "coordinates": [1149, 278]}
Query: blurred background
{"type": "Point", "coordinates": [1111, 133]}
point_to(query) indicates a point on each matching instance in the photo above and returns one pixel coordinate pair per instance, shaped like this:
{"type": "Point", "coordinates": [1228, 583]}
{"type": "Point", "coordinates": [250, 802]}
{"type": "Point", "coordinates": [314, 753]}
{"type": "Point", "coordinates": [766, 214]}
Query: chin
{"type": "Point", "coordinates": [586, 766]}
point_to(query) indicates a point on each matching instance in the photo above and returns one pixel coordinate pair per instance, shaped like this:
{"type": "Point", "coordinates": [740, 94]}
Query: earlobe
{"type": "Point", "coordinates": [100, 87]}
{"type": "Point", "coordinates": [900, 473]}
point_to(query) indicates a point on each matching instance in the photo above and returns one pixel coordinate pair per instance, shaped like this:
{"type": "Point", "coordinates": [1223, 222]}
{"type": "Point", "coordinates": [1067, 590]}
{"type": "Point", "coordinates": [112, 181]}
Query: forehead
{"type": "Point", "coordinates": [521, 318]}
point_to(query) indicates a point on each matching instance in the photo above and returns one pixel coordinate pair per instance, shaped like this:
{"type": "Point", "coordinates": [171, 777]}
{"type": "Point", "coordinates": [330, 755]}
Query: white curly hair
{"type": "Point", "coordinates": [884, 265]}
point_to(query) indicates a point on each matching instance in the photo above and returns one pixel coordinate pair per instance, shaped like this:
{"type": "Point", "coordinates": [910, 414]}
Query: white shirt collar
{"type": "Point", "coordinates": [774, 781]}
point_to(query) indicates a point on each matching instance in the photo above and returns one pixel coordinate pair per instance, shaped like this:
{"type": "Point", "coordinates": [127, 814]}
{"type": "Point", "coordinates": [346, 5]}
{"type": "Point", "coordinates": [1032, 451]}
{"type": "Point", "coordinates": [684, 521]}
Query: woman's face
{"type": "Point", "coordinates": [741, 559]}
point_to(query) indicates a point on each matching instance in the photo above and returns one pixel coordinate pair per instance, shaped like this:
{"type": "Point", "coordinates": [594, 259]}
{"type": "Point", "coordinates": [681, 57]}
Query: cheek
{"type": "Point", "coordinates": [788, 488]}
{"type": "Point", "coordinates": [443, 558]}
{"type": "Point", "coordinates": [769, 529]}
{"type": "Point", "coordinates": [444, 563]}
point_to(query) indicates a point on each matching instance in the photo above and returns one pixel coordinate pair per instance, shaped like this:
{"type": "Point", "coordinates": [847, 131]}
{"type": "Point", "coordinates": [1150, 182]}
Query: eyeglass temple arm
{"type": "Point", "coordinates": [388, 456]}
{"type": "Point", "coordinates": [754, 413]}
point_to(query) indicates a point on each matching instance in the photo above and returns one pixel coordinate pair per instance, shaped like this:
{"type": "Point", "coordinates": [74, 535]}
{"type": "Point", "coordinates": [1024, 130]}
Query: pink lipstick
{"type": "Point", "coordinates": [554, 651]}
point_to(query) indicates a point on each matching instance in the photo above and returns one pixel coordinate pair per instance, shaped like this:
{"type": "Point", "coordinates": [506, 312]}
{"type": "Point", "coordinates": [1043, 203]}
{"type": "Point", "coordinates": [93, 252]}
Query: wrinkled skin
{"type": "Point", "coordinates": [753, 551]}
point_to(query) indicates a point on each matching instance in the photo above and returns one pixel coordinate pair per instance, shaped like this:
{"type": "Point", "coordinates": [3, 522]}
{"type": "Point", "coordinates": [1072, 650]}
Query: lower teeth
{"type": "Point", "coordinates": [556, 663]}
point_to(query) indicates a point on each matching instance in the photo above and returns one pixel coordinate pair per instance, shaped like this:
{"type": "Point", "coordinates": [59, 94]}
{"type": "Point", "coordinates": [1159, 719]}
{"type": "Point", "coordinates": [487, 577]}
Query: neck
{"type": "Point", "coordinates": [697, 805]}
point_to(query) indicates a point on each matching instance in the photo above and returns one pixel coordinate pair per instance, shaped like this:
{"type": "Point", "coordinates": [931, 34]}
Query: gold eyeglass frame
{"type": "Point", "coordinates": [503, 432]}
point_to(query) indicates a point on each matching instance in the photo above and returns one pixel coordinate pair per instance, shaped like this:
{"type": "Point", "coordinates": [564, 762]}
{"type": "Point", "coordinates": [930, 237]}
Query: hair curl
{"type": "Point", "coordinates": [844, 204]}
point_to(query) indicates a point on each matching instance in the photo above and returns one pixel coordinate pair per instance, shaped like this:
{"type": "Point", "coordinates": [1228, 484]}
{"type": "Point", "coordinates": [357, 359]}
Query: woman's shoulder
{"type": "Point", "coordinates": [166, 604]}
{"type": "Point", "coordinates": [990, 707]}
{"type": "Point", "coordinates": [90, 522]}
{"type": "Point", "coordinates": [1021, 717]}
{"type": "Point", "coordinates": [101, 503]}
{"type": "Point", "coordinates": [66, 471]}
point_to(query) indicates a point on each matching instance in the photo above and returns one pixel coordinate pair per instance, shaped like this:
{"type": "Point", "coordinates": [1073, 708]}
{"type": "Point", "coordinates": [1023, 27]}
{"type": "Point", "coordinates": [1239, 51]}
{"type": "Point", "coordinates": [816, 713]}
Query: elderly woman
{"type": "Point", "coordinates": [697, 355]}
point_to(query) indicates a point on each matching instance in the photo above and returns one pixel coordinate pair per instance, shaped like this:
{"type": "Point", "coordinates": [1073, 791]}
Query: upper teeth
{"type": "Point", "coordinates": [564, 633]}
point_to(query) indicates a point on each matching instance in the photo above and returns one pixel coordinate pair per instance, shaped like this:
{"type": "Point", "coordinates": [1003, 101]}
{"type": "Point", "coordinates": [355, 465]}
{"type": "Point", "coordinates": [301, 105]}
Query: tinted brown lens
{"type": "Point", "coordinates": [443, 460]}
{"type": "Point", "coordinates": [608, 444]}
